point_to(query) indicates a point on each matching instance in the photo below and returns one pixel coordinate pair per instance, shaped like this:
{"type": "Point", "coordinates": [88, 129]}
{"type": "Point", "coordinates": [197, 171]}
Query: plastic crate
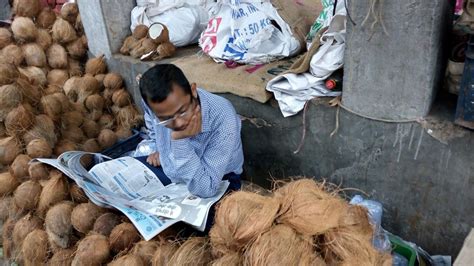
{"type": "Point", "coordinates": [124, 146]}
{"type": "Point", "coordinates": [399, 246]}
{"type": "Point", "coordinates": [465, 106]}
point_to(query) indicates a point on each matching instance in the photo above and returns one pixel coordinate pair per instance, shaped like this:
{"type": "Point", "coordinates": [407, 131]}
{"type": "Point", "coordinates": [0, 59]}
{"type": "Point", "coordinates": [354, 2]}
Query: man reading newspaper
{"type": "Point", "coordinates": [196, 133]}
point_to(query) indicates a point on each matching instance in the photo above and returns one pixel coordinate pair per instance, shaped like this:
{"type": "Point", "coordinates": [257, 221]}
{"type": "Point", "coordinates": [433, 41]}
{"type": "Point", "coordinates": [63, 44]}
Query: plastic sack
{"type": "Point", "coordinates": [144, 148]}
{"type": "Point", "coordinates": [247, 32]}
{"type": "Point", "coordinates": [185, 20]}
{"type": "Point", "coordinates": [324, 18]}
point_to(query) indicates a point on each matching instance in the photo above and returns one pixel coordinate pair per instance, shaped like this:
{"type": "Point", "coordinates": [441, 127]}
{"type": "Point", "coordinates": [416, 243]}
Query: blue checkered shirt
{"type": "Point", "coordinates": [201, 161]}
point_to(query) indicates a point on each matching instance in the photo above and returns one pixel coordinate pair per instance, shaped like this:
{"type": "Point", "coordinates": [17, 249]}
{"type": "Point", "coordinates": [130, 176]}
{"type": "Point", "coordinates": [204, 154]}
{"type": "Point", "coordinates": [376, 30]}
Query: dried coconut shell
{"type": "Point", "coordinates": [8, 184]}
{"type": "Point", "coordinates": [19, 167]}
{"type": "Point", "coordinates": [24, 30]}
{"type": "Point", "coordinates": [10, 98]}
{"type": "Point", "coordinates": [145, 250]}
{"type": "Point", "coordinates": [123, 236]}
{"type": "Point", "coordinates": [12, 54]}
{"type": "Point", "coordinates": [121, 98]}
{"type": "Point", "coordinates": [69, 12]}
{"type": "Point", "coordinates": [38, 171]}
{"type": "Point", "coordinates": [55, 190]}
{"type": "Point", "coordinates": [145, 46]}
{"type": "Point", "coordinates": [195, 251]}
{"type": "Point", "coordinates": [91, 128]}
{"type": "Point", "coordinates": [57, 56]}
{"type": "Point", "coordinates": [31, 93]}
{"type": "Point", "coordinates": [26, 8]}
{"type": "Point", "coordinates": [58, 224]}
{"type": "Point", "coordinates": [9, 149]}
{"type": "Point", "coordinates": [5, 37]}
{"type": "Point", "coordinates": [107, 138]}
{"type": "Point", "coordinates": [94, 102]}
{"type": "Point", "coordinates": [24, 226]}
{"type": "Point", "coordinates": [51, 106]}
{"type": "Point", "coordinates": [34, 75]}
{"type": "Point", "coordinates": [92, 250]}
{"type": "Point", "coordinates": [57, 77]}
{"type": "Point", "coordinates": [84, 215]}
{"type": "Point", "coordinates": [8, 73]}
{"type": "Point", "coordinates": [18, 121]}
{"type": "Point", "coordinates": [159, 33]}
{"type": "Point", "coordinates": [106, 121]}
{"type": "Point", "coordinates": [281, 245]}
{"type": "Point", "coordinates": [35, 248]}
{"type": "Point", "coordinates": [44, 39]}
{"type": "Point", "coordinates": [63, 32]}
{"type": "Point", "coordinates": [91, 145]}
{"type": "Point", "coordinates": [240, 218]}
{"type": "Point", "coordinates": [129, 44]}
{"type": "Point", "coordinates": [27, 195]}
{"type": "Point", "coordinates": [78, 48]}
{"type": "Point", "coordinates": [39, 148]}
{"type": "Point", "coordinates": [96, 66]}
{"type": "Point", "coordinates": [62, 257]}
{"type": "Point", "coordinates": [34, 55]}
{"type": "Point", "coordinates": [163, 253]}
{"type": "Point", "coordinates": [75, 68]}
{"type": "Point", "coordinates": [46, 18]}
{"type": "Point", "coordinates": [106, 223]}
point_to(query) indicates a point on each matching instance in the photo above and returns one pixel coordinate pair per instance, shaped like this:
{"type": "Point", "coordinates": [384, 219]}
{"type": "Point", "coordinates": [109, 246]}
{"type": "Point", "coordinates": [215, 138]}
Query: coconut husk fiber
{"type": "Point", "coordinates": [27, 195]}
{"type": "Point", "coordinates": [84, 216]}
{"type": "Point", "coordinates": [38, 171]}
{"type": "Point", "coordinates": [34, 55]}
{"type": "Point", "coordinates": [96, 65]}
{"type": "Point", "coordinates": [106, 223]}
{"type": "Point", "coordinates": [77, 194]}
{"type": "Point", "coordinates": [8, 74]}
{"type": "Point", "coordinates": [44, 128]}
{"type": "Point", "coordinates": [5, 204]}
{"type": "Point", "coordinates": [5, 37]}
{"type": "Point", "coordinates": [308, 208]}
{"type": "Point", "coordinates": [123, 236]}
{"type": "Point", "coordinates": [10, 147]}
{"type": "Point", "coordinates": [24, 29]}
{"type": "Point", "coordinates": [19, 167]}
{"type": "Point", "coordinates": [63, 32]}
{"type": "Point", "coordinates": [92, 250]}
{"type": "Point", "coordinates": [58, 224]}
{"type": "Point", "coordinates": [281, 245]}
{"type": "Point", "coordinates": [55, 190]}
{"type": "Point", "coordinates": [229, 259]}
{"type": "Point", "coordinates": [195, 251]}
{"type": "Point", "coordinates": [10, 97]}
{"type": "Point", "coordinates": [18, 121]}
{"type": "Point", "coordinates": [240, 218]}
{"type": "Point", "coordinates": [62, 257]}
{"type": "Point", "coordinates": [7, 238]}
{"type": "Point", "coordinates": [44, 39]}
{"type": "Point", "coordinates": [34, 75]}
{"type": "Point", "coordinates": [12, 54]}
{"type": "Point", "coordinates": [23, 227]}
{"type": "Point", "coordinates": [145, 250]}
{"type": "Point", "coordinates": [30, 92]}
{"type": "Point", "coordinates": [127, 260]}
{"type": "Point", "coordinates": [46, 18]}
{"type": "Point", "coordinates": [26, 8]}
{"type": "Point", "coordinates": [163, 253]}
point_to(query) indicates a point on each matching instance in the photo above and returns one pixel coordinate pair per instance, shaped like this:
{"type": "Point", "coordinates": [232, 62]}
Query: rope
{"type": "Point", "coordinates": [377, 15]}
{"type": "Point", "coordinates": [303, 136]}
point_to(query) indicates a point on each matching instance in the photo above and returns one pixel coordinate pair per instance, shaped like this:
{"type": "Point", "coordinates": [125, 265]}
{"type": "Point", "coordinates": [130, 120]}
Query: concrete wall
{"type": "Point", "coordinates": [397, 72]}
{"type": "Point", "coordinates": [4, 10]}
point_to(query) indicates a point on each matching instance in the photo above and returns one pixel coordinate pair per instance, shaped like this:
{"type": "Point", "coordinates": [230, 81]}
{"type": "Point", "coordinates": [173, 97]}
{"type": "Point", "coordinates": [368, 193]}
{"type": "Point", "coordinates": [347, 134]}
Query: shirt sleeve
{"type": "Point", "coordinates": [204, 175]}
{"type": "Point", "coordinates": [149, 122]}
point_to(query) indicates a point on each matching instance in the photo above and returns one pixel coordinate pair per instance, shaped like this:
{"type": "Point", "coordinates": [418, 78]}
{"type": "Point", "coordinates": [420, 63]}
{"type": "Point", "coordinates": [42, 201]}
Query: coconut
{"type": "Point", "coordinates": [39, 148]}
{"type": "Point", "coordinates": [129, 44]}
{"type": "Point", "coordinates": [5, 204]}
{"type": "Point", "coordinates": [145, 250]}
{"type": "Point", "coordinates": [123, 133]}
{"type": "Point", "coordinates": [71, 87]}
{"type": "Point", "coordinates": [34, 75]}
{"type": "Point", "coordinates": [51, 106]}
{"type": "Point", "coordinates": [24, 226]}
{"type": "Point", "coordinates": [123, 236]}
{"type": "Point", "coordinates": [46, 18]}
{"type": "Point", "coordinates": [107, 138]}
{"type": "Point", "coordinates": [195, 251]}
{"type": "Point", "coordinates": [129, 117]}
{"type": "Point", "coordinates": [57, 56]}
{"type": "Point", "coordinates": [140, 32]}
{"type": "Point", "coordinates": [9, 149]}
{"type": "Point", "coordinates": [127, 260]}
{"type": "Point", "coordinates": [27, 195]}
{"type": "Point", "coordinates": [24, 30]}
{"type": "Point", "coordinates": [87, 86]}
{"type": "Point", "coordinates": [26, 8]}
{"type": "Point", "coordinates": [78, 25]}
{"type": "Point", "coordinates": [106, 121]}
{"type": "Point", "coordinates": [73, 134]}
{"type": "Point", "coordinates": [8, 183]}
{"type": "Point", "coordinates": [34, 55]}
{"type": "Point", "coordinates": [75, 67]}
{"type": "Point", "coordinates": [3, 130]}
{"type": "Point", "coordinates": [31, 93]}
{"type": "Point", "coordinates": [7, 238]}
{"type": "Point", "coordinates": [78, 48]}
{"type": "Point", "coordinates": [5, 37]}
{"type": "Point", "coordinates": [121, 98]}
{"type": "Point", "coordinates": [229, 259]}
{"type": "Point", "coordinates": [84, 215]}
{"type": "Point", "coordinates": [96, 66]}
{"type": "Point", "coordinates": [163, 253]}
{"type": "Point", "coordinates": [165, 50]}
{"type": "Point", "coordinates": [8, 74]}
{"type": "Point", "coordinates": [44, 39]}
{"type": "Point", "coordinates": [62, 257]}
{"type": "Point", "coordinates": [66, 105]}
{"type": "Point", "coordinates": [106, 223]}
{"type": "Point", "coordinates": [281, 245]}
{"type": "Point", "coordinates": [94, 102]}
{"type": "Point", "coordinates": [113, 81]}
{"type": "Point", "coordinates": [72, 119]}
{"type": "Point", "coordinates": [38, 171]}
{"type": "Point", "coordinates": [240, 218]}
{"type": "Point", "coordinates": [12, 54]}
{"type": "Point", "coordinates": [69, 12]}
{"type": "Point", "coordinates": [145, 46]}
{"type": "Point", "coordinates": [19, 167]}
{"type": "Point", "coordinates": [54, 190]}
{"type": "Point", "coordinates": [91, 145]}
{"type": "Point", "coordinates": [43, 128]}
{"type": "Point", "coordinates": [58, 224]}
{"type": "Point", "coordinates": [18, 121]}
{"type": "Point", "coordinates": [91, 128]}
{"type": "Point", "coordinates": [77, 194]}
{"type": "Point", "coordinates": [159, 33]}
{"type": "Point", "coordinates": [92, 250]}
{"type": "Point", "coordinates": [57, 77]}
{"type": "Point", "coordinates": [308, 208]}
{"type": "Point", "coordinates": [35, 248]}
{"type": "Point", "coordinates": [107, 94]}
{"type": "Point", "coordinates": [63, 32]}
{"type": "Point", "coordinates": [10, 97]}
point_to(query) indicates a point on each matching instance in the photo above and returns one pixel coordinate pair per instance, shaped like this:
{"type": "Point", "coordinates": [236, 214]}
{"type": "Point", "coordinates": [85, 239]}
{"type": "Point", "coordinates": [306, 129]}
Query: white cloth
{"type": "Point", "coordinates": [293, 90]}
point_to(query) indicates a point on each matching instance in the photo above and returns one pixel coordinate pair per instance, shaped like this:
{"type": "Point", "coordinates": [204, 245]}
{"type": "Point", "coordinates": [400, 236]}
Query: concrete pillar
{"type": "Point", "coordinates": [395, 74]}
{"type": "Point", "coordinates": [106, 23]}
{"type": "Point", "coordinates": [4, 10]}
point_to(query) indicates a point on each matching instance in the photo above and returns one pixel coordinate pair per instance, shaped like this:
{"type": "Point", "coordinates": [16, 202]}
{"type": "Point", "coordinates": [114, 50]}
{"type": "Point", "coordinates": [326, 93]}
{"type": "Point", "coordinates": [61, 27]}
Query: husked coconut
{"type": "Point", "coordinates": [39, 148]}
{"type": "Point", "coordinates": [57, 56]}
{"type": "Point", "coordinates": [12, 54]}
{"type": "Point", "coordinates": [145, 250]}
{"type": "Point", "coordinates": [19, 167]}
{"type": "Point", "coordinates": [19, 120]}
{"type": "Point", "coordinates": [69, 12]}
{"type": "Point", "coordinates": [58, 224]}
{"type": "Point", "coordinates": [8, 73]}
{"type": "Point", "coordinates": [63, 31]}
{"type": "Point", "coordinates": [77, 194]}
{"type": "Point", "coordinates": [63, 146]}
{"type": "Point", "coordinates": [78, 48]}
{"type": "Point", "coordinates": [10, 147]}
{"type": "Point", "coordinates": [84, 215]}
{"type": "Point", "coordinates": [106, 223]}
{"type": "Point", "coordinates": [62, 257]}
{"type": "Point", "coordinates": [24, 30]}
{"type": "Point", "coordinates": [91, 128]}
{"type": "Point", "coordinates": [10, 97]}
{"type": "Point", "coordinates": [107, 138]}
{"type": "Point", "coordinates": [44, 39]}
{"type": "Point", "coordinates": [8, 184]}
{"type": "Point", "coordinates": [27, 195]}
{"type": "Point", "coordinates": [38, 171]}
{"type": "Point", "coordinates": [92, 250]}
{"type": "Point", "coordinates": [35, 248]}
{"type": "Point", "coordinates": [34, 75]}
{"type": "Point", "coordinates": [121, 98]}
{"type": "Point", "coordinates": [34, 55]}
{"type": "Point", "coordinates": [26, 8]}
{"type": "Point", "coordinates": [55, 190]}
{"type": "Point", "coordinates": [31, 93]}
{"type": "Point", "coordinates": [123, 236]}
{"type": "Point", "coordinates": [5, 37]}
{"type": "Point", "coordinates": [91, 145]}
{"type": "Point", "coordinates": [57, 77]}
{"type": "Point", "coordinates": [75, 67]}
{"type": "Point", "coordinates": [24, 226]}
{"type": "Point", "coordinates": [51, 106]}
{"type": "Point", "coordinates": [96, 65]}
{"type": "Point", "coordinates": [129, 260]}
{"type": "Point", "coordinates": [46, 18]}
{"type": "Point", "coordinates": [113, 81]}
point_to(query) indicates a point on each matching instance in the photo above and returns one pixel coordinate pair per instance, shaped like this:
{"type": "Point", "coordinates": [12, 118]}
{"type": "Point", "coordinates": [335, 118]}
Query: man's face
{"type": "Point", "coordinates": [178, 108]}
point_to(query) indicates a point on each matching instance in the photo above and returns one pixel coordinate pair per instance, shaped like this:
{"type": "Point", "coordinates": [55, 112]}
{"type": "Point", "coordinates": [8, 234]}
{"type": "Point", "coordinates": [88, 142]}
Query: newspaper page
{"type": "Point", "coordinates": [129, 186]}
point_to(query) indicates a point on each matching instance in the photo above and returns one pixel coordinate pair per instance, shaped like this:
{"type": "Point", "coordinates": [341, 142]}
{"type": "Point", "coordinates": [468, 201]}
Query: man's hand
{"type": "Point", "coordinates": [154, 159]}
{"type": "Point", "coordinates": [193, 128]}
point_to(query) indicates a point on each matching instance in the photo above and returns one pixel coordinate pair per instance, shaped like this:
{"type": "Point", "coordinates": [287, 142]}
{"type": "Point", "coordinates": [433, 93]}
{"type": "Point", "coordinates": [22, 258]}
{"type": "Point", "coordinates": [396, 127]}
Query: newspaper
{"type": "Point", "coordinates": [131, 187]}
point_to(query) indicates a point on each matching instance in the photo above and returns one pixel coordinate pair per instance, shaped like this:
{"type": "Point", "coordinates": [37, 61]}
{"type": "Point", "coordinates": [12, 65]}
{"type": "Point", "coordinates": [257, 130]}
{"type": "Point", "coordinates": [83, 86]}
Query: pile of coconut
{"type": "Point", "coordinates": [149, 43]}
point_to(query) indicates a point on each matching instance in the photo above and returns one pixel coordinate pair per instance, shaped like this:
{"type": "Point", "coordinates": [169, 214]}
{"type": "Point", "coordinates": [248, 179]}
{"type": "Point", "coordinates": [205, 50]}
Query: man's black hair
{"type": "Point", "coordinates": [157, 82]}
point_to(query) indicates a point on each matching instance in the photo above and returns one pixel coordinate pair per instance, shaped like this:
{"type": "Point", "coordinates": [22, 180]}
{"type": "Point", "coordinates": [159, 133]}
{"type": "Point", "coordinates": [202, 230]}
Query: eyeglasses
{"type": "Point", "coordinates": [178, 115]}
